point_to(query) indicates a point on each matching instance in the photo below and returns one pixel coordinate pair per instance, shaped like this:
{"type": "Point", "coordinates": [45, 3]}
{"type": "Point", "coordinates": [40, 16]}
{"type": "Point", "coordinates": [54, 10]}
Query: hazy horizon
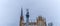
{"type": "Point", "coordinates": [10, 11]}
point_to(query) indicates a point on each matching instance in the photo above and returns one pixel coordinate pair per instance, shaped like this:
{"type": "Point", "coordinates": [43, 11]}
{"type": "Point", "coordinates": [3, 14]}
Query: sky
{"type": "Point", "coordinates": [10, 11]}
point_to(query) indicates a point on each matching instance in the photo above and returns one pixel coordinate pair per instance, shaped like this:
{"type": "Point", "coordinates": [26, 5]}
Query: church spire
{"type": "Point", "coordinates": [21, 12]}
{"type": "Point", "coordinates": [21, 18]}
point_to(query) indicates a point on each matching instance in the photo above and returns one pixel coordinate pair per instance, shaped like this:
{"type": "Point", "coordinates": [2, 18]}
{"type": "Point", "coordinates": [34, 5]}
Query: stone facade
{"type": "Point", "coordinates": [39, 22]}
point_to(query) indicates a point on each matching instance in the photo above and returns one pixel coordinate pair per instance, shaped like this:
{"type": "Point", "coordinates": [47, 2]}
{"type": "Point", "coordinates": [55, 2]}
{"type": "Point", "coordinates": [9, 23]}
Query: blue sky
{"type": "Point", "coordinates": [10, 11]}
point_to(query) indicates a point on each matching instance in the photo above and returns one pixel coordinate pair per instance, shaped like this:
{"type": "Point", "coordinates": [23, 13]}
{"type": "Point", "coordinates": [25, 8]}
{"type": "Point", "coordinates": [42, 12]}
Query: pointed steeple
{"type": "Point", "coordinates": [21, 18]}
{"type": "Point", "coordinates": [21, 12]}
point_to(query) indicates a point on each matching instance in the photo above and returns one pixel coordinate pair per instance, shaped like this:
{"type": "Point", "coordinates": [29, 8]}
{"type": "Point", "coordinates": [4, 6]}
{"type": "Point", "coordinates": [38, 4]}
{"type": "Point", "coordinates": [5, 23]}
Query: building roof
{"type": "Point", "coordinates": [31, 23]}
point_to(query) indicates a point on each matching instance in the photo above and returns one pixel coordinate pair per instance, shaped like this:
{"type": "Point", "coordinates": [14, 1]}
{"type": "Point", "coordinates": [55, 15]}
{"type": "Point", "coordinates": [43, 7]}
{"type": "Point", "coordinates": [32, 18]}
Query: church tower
{"type": "Point", "coordinates": [41, 21]}
{"type": "Point", "coordinates": [21, 18]}
{"type": "Point", "coordinates": [27, 18]}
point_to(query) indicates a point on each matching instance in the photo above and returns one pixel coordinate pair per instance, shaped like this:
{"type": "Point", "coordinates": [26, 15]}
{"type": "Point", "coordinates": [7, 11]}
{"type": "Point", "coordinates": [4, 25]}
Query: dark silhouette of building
{"type": "Point", "coordinates": [39, 22]}
{"type": "Point", "coordinates": [50, 24]}
{"type": "Point", "coordinates": [27, 18]}
{"type": "Point", "coordinates": [21, 18]}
